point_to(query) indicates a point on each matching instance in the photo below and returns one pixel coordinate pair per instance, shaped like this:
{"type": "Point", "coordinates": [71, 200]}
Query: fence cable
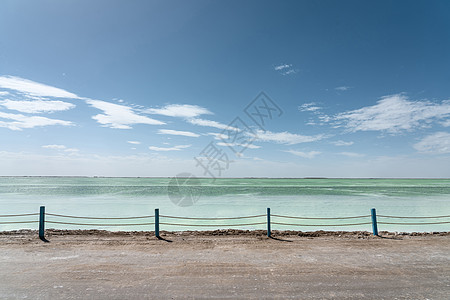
{"type": "Point", "coordinates": [85, 224]}
{"type": "Point", "coordinates": [224, 218]}
{"type": "Point", "coordinates": [413, 223]}
{"type": "Point", "coordinates": [218, 218]}
{"type": "Point", "coordinates": [308, 218]}
{"type": "Point", "coordinates": [118, 218]}
{"type": "Point", "coordinates": [398, 217]}
{"type": "Point", "coordinates": [212, 225]}
{"type": "Point", "coordinates": [21, 222]}
{"type": "Point", "coordinates": [318, 225]}
{"type": "Point", "coordinates": [21, 215]}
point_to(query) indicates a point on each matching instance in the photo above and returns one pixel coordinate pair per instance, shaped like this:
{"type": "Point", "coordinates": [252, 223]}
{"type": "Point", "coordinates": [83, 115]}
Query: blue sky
{"type": "Point", "coordinates": [151, 88]}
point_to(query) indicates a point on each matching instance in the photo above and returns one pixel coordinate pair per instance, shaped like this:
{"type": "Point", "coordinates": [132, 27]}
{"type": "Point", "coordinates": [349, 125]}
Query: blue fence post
{"type": "Point", "coordinates": [42, 222]}
{"type": "Point", "coordinates": [157, 222]}
{"type": "Point", "coordinates": [268, 222]}
{"type": "Point", "coordinates": [374, 221]}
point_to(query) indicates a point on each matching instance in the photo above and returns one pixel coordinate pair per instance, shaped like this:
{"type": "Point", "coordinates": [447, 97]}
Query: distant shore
{"type": "Point", "coordinates": [205, 177]}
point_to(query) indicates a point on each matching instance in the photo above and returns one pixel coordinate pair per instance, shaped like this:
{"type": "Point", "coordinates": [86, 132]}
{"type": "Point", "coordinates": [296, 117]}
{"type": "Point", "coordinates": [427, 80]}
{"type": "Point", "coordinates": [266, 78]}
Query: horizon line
{"type": "Point", "coordinates": [201, 177]}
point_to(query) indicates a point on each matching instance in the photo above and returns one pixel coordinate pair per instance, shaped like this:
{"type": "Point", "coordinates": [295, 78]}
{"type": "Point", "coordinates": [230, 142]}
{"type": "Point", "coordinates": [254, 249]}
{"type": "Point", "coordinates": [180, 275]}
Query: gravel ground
{"type": "Point", "coordinates": [225, 264]}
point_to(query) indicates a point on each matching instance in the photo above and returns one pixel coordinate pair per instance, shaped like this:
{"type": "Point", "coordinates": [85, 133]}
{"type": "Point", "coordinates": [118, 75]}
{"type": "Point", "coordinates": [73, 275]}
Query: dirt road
{"type": "Point", "coordinates": [223, 265]}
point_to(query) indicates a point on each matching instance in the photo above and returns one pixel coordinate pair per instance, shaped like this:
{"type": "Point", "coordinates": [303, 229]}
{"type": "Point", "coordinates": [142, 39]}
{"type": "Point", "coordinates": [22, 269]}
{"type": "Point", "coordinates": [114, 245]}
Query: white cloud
{"type": "Point", "coordinates": [446, 123]}
{"type": "Point", "coordinates": [134, 142]}
{"type": "Point", "coordinates": [352, 154]}
{"type": "Point", "coordinates": [310, 154]}
{"type": "Point", "coordinates": [36, 106]}
{"type": "Point", "coordinates": [209, 123]}
{"type": "Point", "coordinates": [249, 146]}
{"type": "Point", "coordinates": [119, 116]}
{"type": "Point", "coordinates": [311, 106]}
{"type": "Point", "coordinates": [342, 143]}
{"type": "Point", "coordinates": [175, 148]}
{"type": "Point", "coordinates": [218, 136]}
{"type": "Point", "coordinates": [316, 110]}
{"type": "Point", "coordinates": [56, 147]}
{"type": "Point", "coordinates": [285, 69]}
{"type": "Point", "coordinates": [190, 113]}
{"type": "Point", "coordinates": [179, 110]}
{"type": "Point", "coordinates": [20, 122]}
{"type": "Point", "coordinates": [394, 114]}
{"type": "Point", "coordinates": [292, 71]}
{"type": "Point", "coordinates": [177, 132]}
{"type": "Point", "coordinates": [324, 118]}
{"type": "Point", "coordinates": [342, 88]}
{"type": "Point", "coordinates": [3, 93]}
{"type": "Point", "coordinates": [33, 89]}
{"type": "Point", "coordinates": [286, 137]}
{"type": "Point", "coordinates": [282, 67]}
{"type": "Point", "coordinates": [60, 147]}
{"type": "Point", "coordinates": [437, 143]}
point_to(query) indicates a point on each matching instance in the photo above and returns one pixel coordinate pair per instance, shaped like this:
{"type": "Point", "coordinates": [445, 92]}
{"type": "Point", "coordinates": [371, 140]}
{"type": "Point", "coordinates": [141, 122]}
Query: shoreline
{"type": "Point", "coordinates": [223, 232]}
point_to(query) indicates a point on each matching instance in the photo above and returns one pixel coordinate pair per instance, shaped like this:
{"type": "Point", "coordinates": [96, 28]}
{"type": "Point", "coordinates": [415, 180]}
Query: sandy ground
{"type": "Point", "coordinates": [224, 265]}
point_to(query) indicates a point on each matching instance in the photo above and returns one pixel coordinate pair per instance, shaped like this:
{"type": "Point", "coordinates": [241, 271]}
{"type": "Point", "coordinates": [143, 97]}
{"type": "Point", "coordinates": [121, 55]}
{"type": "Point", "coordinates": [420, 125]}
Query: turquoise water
{"type": "Point", "coordinates": [122, 197]}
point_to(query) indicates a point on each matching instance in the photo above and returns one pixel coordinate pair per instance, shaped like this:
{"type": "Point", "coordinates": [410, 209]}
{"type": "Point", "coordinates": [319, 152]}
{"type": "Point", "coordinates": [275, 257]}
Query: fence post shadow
{"type": "Point", "coordinates": [278, 239]}
{"type": "Point", "coordinates": [164, 239]}
{"type": "Point", "coordinates": [389, 237]}
{"type": "Point", "coordinates": [42, 238]}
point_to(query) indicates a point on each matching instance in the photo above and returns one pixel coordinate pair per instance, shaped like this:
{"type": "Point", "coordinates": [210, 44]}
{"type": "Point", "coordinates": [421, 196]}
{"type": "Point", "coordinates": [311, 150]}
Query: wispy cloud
{"type": "Point", "coordinates": [218, 136]}
{"type": "Point", "coordinates": [19, 121]}
{"type": "Point", "coordinates": [209, 123]}
{"type": "Point", "coordinates": [249, 146]}
{"type": "Point", "coordinates": [179, 110]}
{"type": "Point", "coordinates": [342, 143]}
{"type": "Point", "coordinates": [36, 106]}
{"type": "Point", "coordinates": [190, 113]}
{"type": "Point", "coordinates": [310, 154]}
{"type": "Point", "coordinates": [134, 142]}
{"type": "Point", "coordinates": [394, 114]}
{"type": "Point", "coordinates": [286, 137]}
{"type": "Point", "coordinates": [175, 148]}
{"type": "Point", "coordinates": [60, 147]}
{"type": "Point", "coordinates": [33, 89]}
{"type": "Point", "coordinates": [30, 97]}
{"type": "Point", "coordinates": [317, 111]}
{"type": "Point", "coordinates": [57, 147]}
{"type": "Point", "coordinates": [119, 116]}
{"type": "Point", "coordinates": [352, 154]}
{"type": "Point", "coordinates": [285, 69]}
{"type": "Point", "coordinates": [342, 88]}
{"type": "Point", "coordinates": [178, 132]}
{"type": "Point", "coordinates": [224, 137]}
{"type": "Point", "coordinates": [437, 143]}
{"type": "Point", "coordinates": [311, 106]}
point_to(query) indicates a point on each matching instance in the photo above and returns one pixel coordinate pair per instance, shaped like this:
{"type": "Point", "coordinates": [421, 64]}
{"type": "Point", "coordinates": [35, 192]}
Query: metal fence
{"type": "Point", "coordinates": [267, 219]}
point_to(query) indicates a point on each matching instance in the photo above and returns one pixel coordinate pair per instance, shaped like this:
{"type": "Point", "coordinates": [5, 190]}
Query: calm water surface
{"type": "Point", "coordinates": [119, 197]}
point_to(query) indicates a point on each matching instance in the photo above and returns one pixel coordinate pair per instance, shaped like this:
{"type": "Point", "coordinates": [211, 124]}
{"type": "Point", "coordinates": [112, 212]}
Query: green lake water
{"type": "Point", "coordinates": [311, 198]}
